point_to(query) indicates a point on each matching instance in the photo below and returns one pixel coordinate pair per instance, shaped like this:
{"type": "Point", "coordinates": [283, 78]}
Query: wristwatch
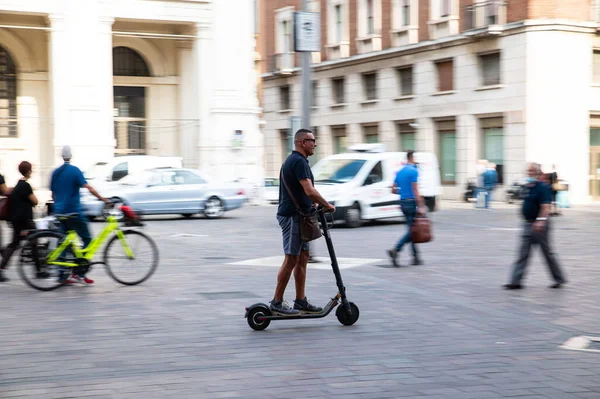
{"type": "Point", "coordinates": [544, 219]}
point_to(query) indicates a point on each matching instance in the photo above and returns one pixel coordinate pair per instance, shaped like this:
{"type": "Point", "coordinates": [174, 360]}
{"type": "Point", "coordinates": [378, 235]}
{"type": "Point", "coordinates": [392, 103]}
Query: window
{"type": "Point", "coordinates": [407, 137]}
{"type": "Point", "coordinates": [370, 17]}
{"type": "Point", "coordinates": [375, 176]}
{"type": "Point", "coordinates": [491, 12]}
{"type": "Point", "coordinates": [447, 141]}
{"type": "Point", "coordinates": [595, 137]}
{"type": "Point", "coordinates": [8, 95]}
{"type": "Point", "coordinates": [120, 171]}
{"type": "Point", "coordinates": [339, 95]}
{"type": "Point", "coordinates": [185, 177]}
{"type": "Point", "coordinates": [445, 75]}
{"type": "Point", "coordinates": [596, 67]}
{"type": "Point", "coordinates": [340, 141]}
{"type": "Point", "coordinates": [371, 134]}
{"type": "Point", "coordinates": [315, 88]}
{"type": "Point", "coordinates": [405, 79]}
{"type": "Point", "coordinates": [287, 36]}
{"type": "Point", "coordinates": [127, 62]}
{"type": "Point", "coordinates": [405, 12]}
{"type": "Point", "coordinates": [284, 97]}
{"type": "Point", "coordinates": [493, 144]}
{"type": "Point", "coordinates": [338, 23]}
{"type": "Point", "coordinates": [130, 119]}
{"type": "Point", "coordinates": [285, 142]}
{"type": "Point", "coordinates": [444, 8]}
{"type": "Point", "coordinates": [370, 85]}
{"type": "Point", "coordinates": [490, 69]}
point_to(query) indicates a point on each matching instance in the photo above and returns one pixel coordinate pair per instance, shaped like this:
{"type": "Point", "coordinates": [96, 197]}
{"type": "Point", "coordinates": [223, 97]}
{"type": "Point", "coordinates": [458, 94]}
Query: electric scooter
{"type": "Point", "coordinates": [259, 315]}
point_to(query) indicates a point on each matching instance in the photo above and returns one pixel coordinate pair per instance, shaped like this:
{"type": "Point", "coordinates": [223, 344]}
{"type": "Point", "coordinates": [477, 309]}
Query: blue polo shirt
{"type": "Point", "coordinates": [404, 180]}
{"type": "Point", "coordinates": [65, 184]}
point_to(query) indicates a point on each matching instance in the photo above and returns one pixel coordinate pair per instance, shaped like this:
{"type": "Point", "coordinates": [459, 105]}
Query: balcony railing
{"type": "Point", "coordinates": [485, 13]}
{"type": "Point", "coordinates": [282, 63]}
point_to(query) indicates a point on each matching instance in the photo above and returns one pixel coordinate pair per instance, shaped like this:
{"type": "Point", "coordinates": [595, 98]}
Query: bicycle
{"type": "Point", "coordinates": [48, 257]}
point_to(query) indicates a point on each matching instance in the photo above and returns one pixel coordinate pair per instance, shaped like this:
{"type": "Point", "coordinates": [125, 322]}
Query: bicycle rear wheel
{"type": "Point", "coordinates": [126, 270]}
{"type": "Point", "coordinates": [33, 268]}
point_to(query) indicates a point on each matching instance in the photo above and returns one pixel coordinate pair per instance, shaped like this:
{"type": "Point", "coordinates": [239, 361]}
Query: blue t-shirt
{"type": "Point", "coordinates": [537, 195]}
{"type": "Point", "coordinates": [294, 169]}
{"type": "Point", "coordinates": [404, 180]}
{"type": "Point", "coordinates": [65, 184]}
{"type": "Point", "coordinates": [490, 178]}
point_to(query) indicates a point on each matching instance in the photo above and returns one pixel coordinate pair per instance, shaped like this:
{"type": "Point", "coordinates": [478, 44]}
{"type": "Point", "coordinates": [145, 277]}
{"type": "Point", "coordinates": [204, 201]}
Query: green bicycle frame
{"type": "Point", "coordinates": [88, 252]}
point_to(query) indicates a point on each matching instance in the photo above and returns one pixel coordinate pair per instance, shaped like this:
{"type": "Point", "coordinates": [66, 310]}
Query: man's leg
{"type": "Point", "coordinates": [488, 198]}
{"type": "Point", "coordinates": [83, 231]}
{"type": "Point", "coordinates": [521, 264]}
{"type": "Point", "coordinates": [544, 240]}
{"type": "Point", "coordinates": [300, 274]}
{"type": "Point", "coordinates": [283, 277]}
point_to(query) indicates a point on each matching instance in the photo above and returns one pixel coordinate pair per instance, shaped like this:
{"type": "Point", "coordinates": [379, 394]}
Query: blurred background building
{"type": "Point", "coordinates": [509, 81]}
{"type": "Point", "coordinates": [113, 77]}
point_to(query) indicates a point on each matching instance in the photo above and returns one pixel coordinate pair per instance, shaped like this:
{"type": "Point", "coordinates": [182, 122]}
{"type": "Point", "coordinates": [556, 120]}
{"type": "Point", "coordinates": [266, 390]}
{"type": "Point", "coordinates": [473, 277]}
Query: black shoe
{"type": "Point", "coordinates": [304, 306]}
{"type": "Point", "coordinates": [393, 254]}
{"type": "Point", "coordinates": [556, 285]}
{"type": "Point", "coordinates": [283, 308]}
{"type": "Point", "coordinates": [417, 262]}
{"type": "Point", "coordinates": [313, 260]}
{"type": "Point", "coordinates": [512, 286]}
{"type": "Point", "coordinates": [3, 278]}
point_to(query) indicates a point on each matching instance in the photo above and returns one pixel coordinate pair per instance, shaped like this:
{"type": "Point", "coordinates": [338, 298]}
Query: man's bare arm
{"type": "Point", "coordinates": [420, 201]}
{"type": "Point", "coordinates": [313, 194]}
{"type": "Point", "coordinates": [94, 192]}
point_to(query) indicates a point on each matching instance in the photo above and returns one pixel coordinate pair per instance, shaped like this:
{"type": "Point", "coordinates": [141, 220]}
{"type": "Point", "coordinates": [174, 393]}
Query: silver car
{"type": "Point", "coordinates": [169, 191]}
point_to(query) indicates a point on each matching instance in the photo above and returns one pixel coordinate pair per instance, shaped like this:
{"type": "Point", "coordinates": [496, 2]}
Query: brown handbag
{"type": "Point", "coordinates": [309, 223]}
{"type": "Point", "coordinates": [421, 230]}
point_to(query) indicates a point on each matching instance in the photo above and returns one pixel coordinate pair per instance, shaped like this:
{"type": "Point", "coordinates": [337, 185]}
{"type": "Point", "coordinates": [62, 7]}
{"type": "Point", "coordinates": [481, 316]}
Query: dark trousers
{"type": "Point", "coordinates": [528, 238]}
{"type": "Point", "coordinates": [409, 209]}
{"type": "Point", "coordinates": [18, 227]}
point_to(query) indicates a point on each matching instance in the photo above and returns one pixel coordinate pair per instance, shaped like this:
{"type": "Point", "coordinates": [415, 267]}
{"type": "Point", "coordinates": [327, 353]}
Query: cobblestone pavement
{"type": "Point", "coordinates": [442, 330]}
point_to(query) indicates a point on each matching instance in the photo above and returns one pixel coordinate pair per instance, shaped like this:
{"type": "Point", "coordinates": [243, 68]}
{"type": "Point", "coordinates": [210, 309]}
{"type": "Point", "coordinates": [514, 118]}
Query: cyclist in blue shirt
{"type": "Point", "coordinates": [65, 184]}
{"type": "Point", "coordinates": [406, 184]}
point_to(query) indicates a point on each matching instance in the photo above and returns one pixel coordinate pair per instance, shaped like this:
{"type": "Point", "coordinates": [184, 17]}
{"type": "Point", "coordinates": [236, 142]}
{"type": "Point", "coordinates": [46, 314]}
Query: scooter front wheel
{"type": "Point", "coordinates": [255, 320]}
{"type": "Point", "coordinates": [345, 318]}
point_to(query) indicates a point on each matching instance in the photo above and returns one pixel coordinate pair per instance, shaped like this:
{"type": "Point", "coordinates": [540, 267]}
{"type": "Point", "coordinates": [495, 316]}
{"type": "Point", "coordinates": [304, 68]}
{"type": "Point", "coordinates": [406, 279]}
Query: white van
{"type": "Point", "coordinates": [118, 167]}
{"type": "Point", "coordinates": [359, 183]}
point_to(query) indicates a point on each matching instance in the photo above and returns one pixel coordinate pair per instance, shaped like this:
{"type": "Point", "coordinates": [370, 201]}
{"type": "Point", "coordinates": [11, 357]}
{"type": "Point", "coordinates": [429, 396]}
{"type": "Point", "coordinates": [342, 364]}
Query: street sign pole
{"type": "Point", "coordinates": [306, 81]}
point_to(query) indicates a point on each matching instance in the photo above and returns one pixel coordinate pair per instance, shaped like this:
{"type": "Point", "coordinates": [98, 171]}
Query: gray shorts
{"type": "Point", "coordinates": [290, 231]}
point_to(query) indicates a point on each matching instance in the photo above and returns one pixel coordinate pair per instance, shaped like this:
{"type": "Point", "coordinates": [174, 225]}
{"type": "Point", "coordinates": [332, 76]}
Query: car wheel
{"type": "Point", "coordinates": [187, 215]}
{"type": "Point", "coordinates": [352, 216]}
{"type": "Point", "coordinates": [115, 211]}
{"type": "Point", "coordinates": [214, 208]}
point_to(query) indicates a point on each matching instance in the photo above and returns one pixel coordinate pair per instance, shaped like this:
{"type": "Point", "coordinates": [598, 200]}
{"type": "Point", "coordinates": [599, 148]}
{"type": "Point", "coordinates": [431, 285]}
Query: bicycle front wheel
{"type": "Point", "coordinates": [33, 266]}
{"type": "Point", "coordinates": [137, 268]}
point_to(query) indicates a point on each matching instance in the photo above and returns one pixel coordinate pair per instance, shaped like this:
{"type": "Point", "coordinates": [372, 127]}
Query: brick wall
{"type": "Point", "coordinates": [571, 9]}
{"type": "Point", "coordinates": [516, 10]}
{"type": "Point", "coordinates": [386, 23]}
{"type": "Point", "coordinates": [463, 4]}
{"type": "Point", "coordinates": [353, 25]}
{"type": "Point", "coordinates": [423, 18]}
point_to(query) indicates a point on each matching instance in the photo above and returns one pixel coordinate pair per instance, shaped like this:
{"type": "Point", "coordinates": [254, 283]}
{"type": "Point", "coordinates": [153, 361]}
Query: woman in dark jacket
{"type": "Point", "coordinates": [21, 202]}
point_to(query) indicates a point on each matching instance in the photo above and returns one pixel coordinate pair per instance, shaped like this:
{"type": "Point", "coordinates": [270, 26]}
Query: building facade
{"type": "Point", "coordinates": [508, 81]}
{"type": "Point", "coordinates": [114, 77]}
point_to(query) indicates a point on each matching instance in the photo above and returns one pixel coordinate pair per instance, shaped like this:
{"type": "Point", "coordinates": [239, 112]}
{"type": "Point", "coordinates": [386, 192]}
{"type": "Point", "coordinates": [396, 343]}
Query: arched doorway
{"type": "Point", "coordinates": [129, 103]}
{"type": "Point", "coordinates": [8, 95]}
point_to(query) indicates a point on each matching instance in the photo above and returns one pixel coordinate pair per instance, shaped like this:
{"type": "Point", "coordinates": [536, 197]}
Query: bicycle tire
{"type": "Point", "coordinates": [111, 267]}
{"type": "Point", "coordinates": [28, 266]}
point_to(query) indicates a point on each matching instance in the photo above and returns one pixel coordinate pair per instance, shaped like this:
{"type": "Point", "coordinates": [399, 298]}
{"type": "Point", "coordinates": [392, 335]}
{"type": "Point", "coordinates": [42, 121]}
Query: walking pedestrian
{"type": "Point", "coordinates": [21, 202]}
{"type": "Point", "coordinates": [536, 229]}
{"type": "Point", "coordinates": [490, 179]}
{"type": "Point", "coordinates": [297, 188]}
{"type": "Point", "coordinates": [406, 184]}
{"type": "Point", "coordinates": [553, 178]}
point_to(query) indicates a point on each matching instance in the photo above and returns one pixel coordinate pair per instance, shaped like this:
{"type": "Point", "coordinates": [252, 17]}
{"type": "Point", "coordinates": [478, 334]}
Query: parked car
{"type": "Point", "coordinates": [272, 190]}
{"type": "Point", "coordinates": [117, 168]}
{"type": "Point", "coordinates": [165, 191]}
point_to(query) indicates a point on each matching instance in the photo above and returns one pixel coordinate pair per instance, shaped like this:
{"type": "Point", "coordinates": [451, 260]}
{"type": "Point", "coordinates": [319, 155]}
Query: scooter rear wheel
{"type": "Point", "coordinates": [345, 318]}
{"type": "Point", "coordinates": [255, 314]}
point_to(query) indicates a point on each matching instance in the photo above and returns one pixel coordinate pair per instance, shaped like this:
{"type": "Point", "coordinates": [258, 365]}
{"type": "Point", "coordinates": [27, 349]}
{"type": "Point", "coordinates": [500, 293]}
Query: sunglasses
{"type": "Point", "coordinates": [313, 140]}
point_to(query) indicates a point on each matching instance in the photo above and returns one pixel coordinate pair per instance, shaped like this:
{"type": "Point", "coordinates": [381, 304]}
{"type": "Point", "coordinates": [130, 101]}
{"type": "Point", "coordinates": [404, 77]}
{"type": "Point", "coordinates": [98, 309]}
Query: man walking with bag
{"type": "Point", "coordinates": [297, 195]}
{"type": "Point", "coordinates": [406, 184]}
{"type": "Point", "coordinates": [536, 209]}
